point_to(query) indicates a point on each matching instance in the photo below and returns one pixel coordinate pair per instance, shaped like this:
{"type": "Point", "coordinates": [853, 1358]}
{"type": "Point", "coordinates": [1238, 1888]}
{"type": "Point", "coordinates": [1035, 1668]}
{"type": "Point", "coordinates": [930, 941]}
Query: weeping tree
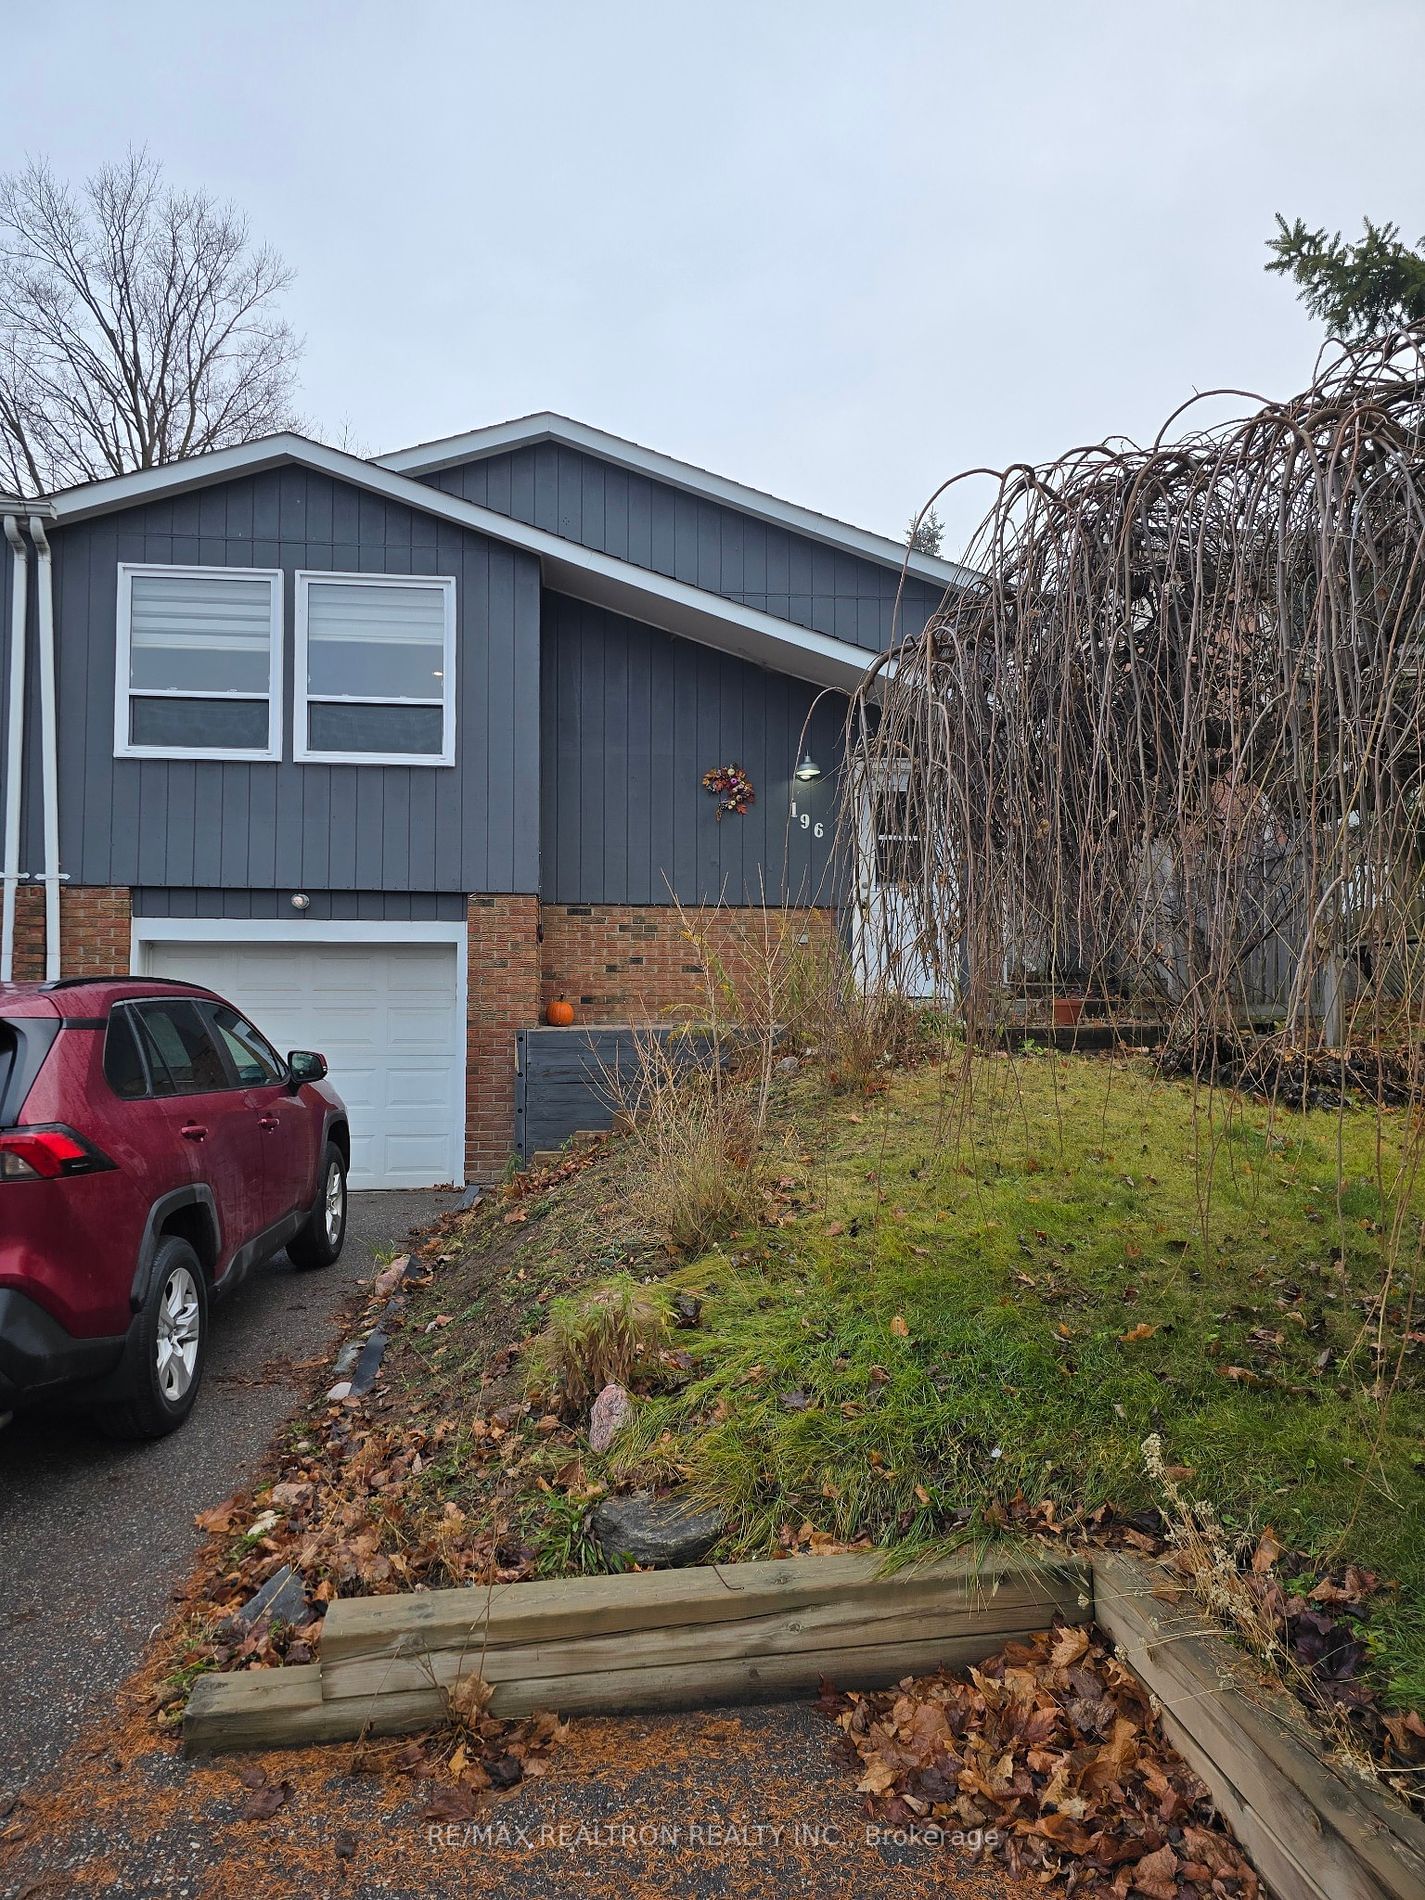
{"type": "Point", "coordinates": [1172, 742]}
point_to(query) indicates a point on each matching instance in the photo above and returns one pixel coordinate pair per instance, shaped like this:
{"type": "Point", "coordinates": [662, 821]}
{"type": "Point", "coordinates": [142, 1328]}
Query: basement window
{"type": "Point", "coordinates": [199, 663]}
{"type": "Point", "coordinates": [375, 669]}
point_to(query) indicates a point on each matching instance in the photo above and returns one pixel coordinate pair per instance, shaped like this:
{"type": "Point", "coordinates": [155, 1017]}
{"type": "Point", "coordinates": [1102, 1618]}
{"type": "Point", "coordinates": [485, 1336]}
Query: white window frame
{"type": "Point", "coordinates": [124, 694]}
{"type": "Point", "coordinates": [306, 578]}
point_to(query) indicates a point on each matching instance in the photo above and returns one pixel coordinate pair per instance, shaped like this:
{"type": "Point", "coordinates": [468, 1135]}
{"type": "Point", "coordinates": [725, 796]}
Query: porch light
{"type": "Point", "coordinates": [808, 769]}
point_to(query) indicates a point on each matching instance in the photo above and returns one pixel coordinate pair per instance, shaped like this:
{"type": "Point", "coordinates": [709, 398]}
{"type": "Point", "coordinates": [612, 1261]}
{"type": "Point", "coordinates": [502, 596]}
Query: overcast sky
{"type": "Point", "coordinates": [839, 249]}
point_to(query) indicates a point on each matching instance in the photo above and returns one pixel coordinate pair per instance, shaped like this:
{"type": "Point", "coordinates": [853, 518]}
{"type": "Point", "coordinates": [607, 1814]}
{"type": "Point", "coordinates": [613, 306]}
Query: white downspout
{"type": "Point", "coordinates": [14, 747]}
{"type": "Point", "coordinates": [49, 747]}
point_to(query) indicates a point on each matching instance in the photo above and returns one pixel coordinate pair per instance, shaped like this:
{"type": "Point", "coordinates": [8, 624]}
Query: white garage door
{"type": "Point", "coordinates": [386, 1018]}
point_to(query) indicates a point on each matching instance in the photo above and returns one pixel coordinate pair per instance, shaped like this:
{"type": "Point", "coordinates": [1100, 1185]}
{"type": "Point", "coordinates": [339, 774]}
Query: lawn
{"type": "Point", "coordinates": [938, 1320]}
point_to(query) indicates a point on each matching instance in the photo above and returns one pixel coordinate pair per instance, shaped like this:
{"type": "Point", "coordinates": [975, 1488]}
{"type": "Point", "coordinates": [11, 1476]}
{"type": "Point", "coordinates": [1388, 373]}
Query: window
{"type": "Point", "coordinates": [254, 1061]}
{"type": "Point", "coordinates": [375, 669]}
{"type": "Point", "coordinates": [199, 663]}
{"type": "Point", "coordinates": [123, 1065]}
{"type": "Point", "coordinates": [182, 1057]}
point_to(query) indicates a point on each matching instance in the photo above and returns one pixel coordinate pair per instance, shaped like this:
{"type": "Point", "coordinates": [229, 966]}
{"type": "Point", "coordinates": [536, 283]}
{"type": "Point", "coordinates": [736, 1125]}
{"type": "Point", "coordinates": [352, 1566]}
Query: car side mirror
{"type": "Point", "coordinates": [305, 1065]}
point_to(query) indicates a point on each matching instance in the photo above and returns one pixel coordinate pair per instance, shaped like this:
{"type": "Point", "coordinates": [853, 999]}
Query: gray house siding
{"type": "Point", "coordinates": [325, 907]}
{"type": "Point", "coordinates": [692, 539]}
{"type": "Point", "coordinates": [239, 828]}
{"type": "Point", "coordinates": [632, 718]}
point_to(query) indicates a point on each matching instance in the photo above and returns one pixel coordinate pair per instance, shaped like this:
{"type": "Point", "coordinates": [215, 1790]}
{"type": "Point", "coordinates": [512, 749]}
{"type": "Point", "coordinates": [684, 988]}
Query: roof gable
{"type": "Point", "coordinates": [429, 458]}
{"type": "Point", "coordinates": [585, 573]}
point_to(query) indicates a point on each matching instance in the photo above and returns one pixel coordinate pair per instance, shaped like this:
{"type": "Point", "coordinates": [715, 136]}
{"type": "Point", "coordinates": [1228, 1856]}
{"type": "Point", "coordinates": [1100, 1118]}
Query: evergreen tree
{"type": "Point", "coordinates": [924, 533]}
{"type": "Point", "coordinates": [1356, 290]}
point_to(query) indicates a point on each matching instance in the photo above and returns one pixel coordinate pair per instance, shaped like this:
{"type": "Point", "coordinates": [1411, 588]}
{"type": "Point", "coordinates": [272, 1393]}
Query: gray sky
{"type": "Point", "coordinates": [837, 250]}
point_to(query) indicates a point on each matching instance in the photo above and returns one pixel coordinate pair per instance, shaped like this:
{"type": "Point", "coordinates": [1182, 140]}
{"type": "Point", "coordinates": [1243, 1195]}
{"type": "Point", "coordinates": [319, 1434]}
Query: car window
{"type": "Point", "coordinates": [123, 1065]}
{"type": "Point", "coordinates": [252, 1056]}
{"type": "Point", "coordinates": [182, 1055]}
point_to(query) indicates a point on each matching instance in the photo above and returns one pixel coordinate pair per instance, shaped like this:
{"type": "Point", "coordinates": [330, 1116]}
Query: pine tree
{"type": "Point", "coordinates": [924, 533]}
{"type": "Point", "coordinates": [1356, 290]}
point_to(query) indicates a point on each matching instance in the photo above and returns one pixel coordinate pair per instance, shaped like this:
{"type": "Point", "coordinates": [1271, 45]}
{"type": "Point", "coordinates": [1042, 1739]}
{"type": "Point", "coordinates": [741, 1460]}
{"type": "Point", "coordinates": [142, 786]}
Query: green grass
{"type": "Point", "coordinates": [1088, 1203]}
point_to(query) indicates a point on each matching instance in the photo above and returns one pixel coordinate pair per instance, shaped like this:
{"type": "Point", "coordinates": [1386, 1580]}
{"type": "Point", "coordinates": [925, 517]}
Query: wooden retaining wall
{"type": "Point", "coordinates": [669, 1639]}
{"type": "Point", "coordinates": [1314, 1830]}
{"type": "Point", "coordinates": [653, 1639]}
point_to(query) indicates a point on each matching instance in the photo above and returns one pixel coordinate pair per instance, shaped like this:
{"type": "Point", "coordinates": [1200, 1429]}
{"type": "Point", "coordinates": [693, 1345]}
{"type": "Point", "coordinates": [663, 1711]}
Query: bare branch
{"type": "Point", "coordinates": [137, 325]}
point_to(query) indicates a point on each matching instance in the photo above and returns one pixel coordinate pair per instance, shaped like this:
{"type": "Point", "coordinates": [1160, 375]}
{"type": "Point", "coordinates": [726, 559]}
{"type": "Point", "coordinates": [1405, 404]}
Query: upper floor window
{"type": "Point", "coordinates": [199, 663]}
{"type": "Point", "coordinates": [375, 669]}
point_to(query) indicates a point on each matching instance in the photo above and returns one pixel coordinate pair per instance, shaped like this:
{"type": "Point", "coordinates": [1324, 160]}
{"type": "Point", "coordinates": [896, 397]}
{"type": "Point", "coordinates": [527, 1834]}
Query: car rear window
{"type": "Point", "coordinates": [8, 1046]}
{"type": "Point", "coordinates": [123, 1065]}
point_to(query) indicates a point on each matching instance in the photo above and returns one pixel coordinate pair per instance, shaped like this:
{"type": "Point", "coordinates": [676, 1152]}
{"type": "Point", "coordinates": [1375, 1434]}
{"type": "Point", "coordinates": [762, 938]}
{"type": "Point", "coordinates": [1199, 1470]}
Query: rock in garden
{"type": "Point", "coordinates": [612, 1410]}
{"type": "Point", "coordinates": [649, 1530]}
{"type": "Point", "coordinates": [687, 1310]}
{"type": "Point", "coordinates": [390, 1277]}
{"type": "Point", "coordinates": [788, 1066]}
{"type": "Point", "coordinates": [281, 1597]}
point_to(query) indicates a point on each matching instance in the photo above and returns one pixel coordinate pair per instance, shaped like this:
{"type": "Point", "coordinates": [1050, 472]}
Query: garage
{"type": "Point", "coordinates": [387, 1015]}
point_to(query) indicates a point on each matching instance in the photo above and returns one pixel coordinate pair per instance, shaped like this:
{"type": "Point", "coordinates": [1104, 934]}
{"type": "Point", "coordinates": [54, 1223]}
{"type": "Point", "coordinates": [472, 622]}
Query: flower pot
{"type": "Point", "coordinates": [1067, 1011]}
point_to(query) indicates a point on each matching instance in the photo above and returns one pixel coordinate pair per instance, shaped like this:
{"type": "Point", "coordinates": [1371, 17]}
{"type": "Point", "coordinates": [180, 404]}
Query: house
{"type": "Point", "coordinates": [392, 750]}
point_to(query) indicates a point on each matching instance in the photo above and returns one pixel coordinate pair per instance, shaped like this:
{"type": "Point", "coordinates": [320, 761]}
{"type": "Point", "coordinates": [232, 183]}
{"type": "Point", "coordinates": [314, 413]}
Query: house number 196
{"type": "Point", "coordinates": [803, 818]}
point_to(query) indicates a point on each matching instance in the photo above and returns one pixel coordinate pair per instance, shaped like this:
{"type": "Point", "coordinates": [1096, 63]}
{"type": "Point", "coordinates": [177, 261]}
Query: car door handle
{"type": "Point", "coordinates": [269, 1121]}
{"type": "Point", "coordinates": [193, 1131]}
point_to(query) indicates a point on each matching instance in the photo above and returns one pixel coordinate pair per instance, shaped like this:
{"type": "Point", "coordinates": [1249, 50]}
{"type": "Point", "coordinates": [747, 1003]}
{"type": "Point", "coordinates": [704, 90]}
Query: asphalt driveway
{"type": "Point", "coordinates": [95, 1535]}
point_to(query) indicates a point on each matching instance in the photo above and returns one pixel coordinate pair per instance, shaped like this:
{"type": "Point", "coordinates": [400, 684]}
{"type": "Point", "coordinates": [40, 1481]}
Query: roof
{"type": "Point", "coordinates": [427, 458]}
{"type": "Point", "coordinates": [638, 593]}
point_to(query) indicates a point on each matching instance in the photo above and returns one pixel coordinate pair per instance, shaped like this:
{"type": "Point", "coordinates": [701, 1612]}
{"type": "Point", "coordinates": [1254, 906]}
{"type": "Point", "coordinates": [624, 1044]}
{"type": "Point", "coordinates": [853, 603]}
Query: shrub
{"type": "Point", "coordinates": [601, 1337]}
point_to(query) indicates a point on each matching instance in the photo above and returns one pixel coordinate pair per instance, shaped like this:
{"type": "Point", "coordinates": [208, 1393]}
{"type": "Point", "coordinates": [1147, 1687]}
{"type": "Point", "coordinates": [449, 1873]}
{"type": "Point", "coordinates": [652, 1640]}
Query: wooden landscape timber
{"type": "Point", "coordinates": [1314, 1830]}
{"type": "Point", "coordinates": [665, 1639]}
{"type": "Point", "coordinates": [656, 1639]}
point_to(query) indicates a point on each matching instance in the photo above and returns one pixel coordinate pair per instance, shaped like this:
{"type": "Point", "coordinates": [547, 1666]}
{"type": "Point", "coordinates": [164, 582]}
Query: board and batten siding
{"type": "Point", "coordinates": [378, 907]}
{"type": "Point", "coordinates": [632, 719]}
{"type": "Point", "coordinates": [692, 539]}
{"type": "Point", "coordinates": [262, 827]}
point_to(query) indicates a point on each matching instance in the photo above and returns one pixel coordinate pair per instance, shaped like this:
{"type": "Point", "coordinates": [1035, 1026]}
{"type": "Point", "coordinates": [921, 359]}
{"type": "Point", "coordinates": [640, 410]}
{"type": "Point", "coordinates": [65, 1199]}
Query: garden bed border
{"type": "Point", "coordinates": [715, 1634]}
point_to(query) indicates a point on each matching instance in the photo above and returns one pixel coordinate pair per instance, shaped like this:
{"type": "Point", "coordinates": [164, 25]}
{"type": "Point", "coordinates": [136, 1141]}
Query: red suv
{"type": "Point", "coordinates": [153, 1147]}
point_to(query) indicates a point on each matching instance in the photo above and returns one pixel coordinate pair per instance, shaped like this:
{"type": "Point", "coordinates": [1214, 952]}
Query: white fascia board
{"type": "Point", "coordinates": [427, 458]}
{"type": "Point", "coordinates": [601, 579]}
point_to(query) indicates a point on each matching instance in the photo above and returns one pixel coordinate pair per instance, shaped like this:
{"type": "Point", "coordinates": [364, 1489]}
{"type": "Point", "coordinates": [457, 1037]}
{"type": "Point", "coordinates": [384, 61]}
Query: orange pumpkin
{"type": "Point", "coordinates": [560, 1013]}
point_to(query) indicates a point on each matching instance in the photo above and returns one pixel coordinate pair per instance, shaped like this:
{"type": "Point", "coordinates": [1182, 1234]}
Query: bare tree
{"type": "Point", "coordinates": [137, 325]}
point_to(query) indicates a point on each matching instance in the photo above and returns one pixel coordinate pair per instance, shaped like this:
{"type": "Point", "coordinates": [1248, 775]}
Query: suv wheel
{"type": "Point", "coordinates": [167, 1347]}
{"type": "Point", "coordinates": [320, 1239]}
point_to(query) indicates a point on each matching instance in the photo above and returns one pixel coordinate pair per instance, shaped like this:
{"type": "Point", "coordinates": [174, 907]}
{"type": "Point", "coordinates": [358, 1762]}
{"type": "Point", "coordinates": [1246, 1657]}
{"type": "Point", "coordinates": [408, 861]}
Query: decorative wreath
{"type": "Point", "coordinates": [732, 789]}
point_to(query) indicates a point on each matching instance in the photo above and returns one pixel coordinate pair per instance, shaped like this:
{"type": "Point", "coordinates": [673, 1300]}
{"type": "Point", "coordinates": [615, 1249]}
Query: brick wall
{"type": "Point", "coordinates": [93, 931]}
{"type": "Point", "coordinates": [29, 963]}
{"type": "Point", "coordinates": [94, 924]}
{"type": "Point", "coordinates": [627, 963]}
{"type": "Point", "coordinates": [503, 953]}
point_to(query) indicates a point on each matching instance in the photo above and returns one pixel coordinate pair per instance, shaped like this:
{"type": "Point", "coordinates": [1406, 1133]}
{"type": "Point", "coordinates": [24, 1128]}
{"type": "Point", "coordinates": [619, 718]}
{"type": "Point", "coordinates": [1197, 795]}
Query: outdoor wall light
{"type": "Point", "coordinates": [301, 901]}
{"type": "Point", "coordinates": [808, 769]}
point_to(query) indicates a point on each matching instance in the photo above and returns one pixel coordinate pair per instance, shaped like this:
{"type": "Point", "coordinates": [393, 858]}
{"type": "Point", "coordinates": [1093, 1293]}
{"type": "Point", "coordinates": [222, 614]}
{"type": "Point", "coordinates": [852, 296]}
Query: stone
{"type": "Point", "coordinates": [788, 1066]}
{"type": "Point", "coordinates": [612, 1410]}
{"type": "Point", "coordinates": [687, 1310]}
{"type": "Point", "coordinates": [340, 1390]}
{"type": "Point", "coordinates": [281, 1598]}
{"type": "Point", "coordinates": [390, 1277]}
{"type": "Point", "coordinates": [649, 1530]}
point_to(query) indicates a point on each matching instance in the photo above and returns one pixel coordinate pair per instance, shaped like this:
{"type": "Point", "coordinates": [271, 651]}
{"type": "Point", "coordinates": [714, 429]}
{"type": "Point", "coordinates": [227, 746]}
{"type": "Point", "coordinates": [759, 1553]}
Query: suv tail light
{"type": "Point", "coordinates": [48, 1154]}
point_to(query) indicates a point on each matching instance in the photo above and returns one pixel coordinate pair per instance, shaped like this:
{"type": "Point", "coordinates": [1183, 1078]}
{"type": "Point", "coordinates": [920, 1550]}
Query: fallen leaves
{"type": "Point", "coordinates": [264, 1797]}
{"type": "Point", "coordinates": [1052, 1744]}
